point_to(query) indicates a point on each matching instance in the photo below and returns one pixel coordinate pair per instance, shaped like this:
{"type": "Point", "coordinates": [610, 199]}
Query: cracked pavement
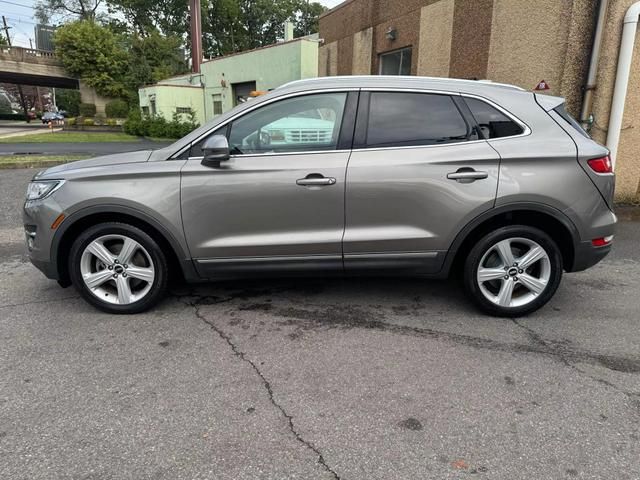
{"type": "Point", "coordinates": [318, 378]}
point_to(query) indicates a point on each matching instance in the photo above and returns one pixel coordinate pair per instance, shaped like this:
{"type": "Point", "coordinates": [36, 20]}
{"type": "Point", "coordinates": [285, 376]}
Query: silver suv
{"type": "Point", "coordinates": [349, 175]}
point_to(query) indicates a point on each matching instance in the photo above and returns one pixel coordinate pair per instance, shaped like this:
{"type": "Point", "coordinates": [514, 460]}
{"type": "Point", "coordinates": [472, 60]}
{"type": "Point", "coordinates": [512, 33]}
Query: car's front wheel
{"type": "Point", "coordinates": [118, 268]}
{"type": "Point", "coordinates": [513, 271]}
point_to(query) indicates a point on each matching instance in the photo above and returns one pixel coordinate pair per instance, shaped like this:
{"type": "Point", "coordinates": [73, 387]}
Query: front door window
{"type": "Point", "coordinates": [298, 124]}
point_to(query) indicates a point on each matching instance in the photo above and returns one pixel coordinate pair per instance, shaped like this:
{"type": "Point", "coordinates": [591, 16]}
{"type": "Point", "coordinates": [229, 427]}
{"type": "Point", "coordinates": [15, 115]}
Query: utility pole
{"type": "Point", "coordinates": [6, 29]}
{"type": "Point", "coordinates": [196, 35]}
{"type": "Point", "coordinates": [22, 101]}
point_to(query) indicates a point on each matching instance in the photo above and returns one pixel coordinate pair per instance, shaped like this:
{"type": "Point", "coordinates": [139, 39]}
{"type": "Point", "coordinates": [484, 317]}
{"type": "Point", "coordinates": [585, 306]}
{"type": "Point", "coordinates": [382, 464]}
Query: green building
{"type": "Point", "coordinates": [226, 81]}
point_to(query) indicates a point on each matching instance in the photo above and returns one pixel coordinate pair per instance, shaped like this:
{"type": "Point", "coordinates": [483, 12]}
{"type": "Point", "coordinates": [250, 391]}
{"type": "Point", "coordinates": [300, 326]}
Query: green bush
{"type": "Point", "coordinates": [157, 127]}
{"type": "Point", "coordinates": [70, 121]}
{"type": "Point", "coordinates": [88, 122]}
{"type": "Point", "coordinates": [87, 109]}
{"type": "Point", "coordinates": [68, 100]}
{"type": "Point", "coordinates": [133, 124]}
{"type": "Point", "coordinates": [12, 116]}
{"type": "Point", "coordinates": [117, 109]}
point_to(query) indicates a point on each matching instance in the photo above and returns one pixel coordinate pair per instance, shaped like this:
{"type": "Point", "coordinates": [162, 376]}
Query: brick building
{"type": "Point", "coordinates": [514, 41]}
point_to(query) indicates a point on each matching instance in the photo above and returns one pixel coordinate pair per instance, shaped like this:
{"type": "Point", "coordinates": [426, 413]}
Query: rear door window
{"type": "Point", "coordinates": [398, 119]}
{"type": "Point", "coordinates": [491, 121]}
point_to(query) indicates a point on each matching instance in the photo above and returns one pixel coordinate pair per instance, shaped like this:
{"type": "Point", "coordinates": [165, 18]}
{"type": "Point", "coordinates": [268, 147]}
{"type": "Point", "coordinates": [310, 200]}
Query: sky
{"type": "Point", "coordinates": [19, 14]}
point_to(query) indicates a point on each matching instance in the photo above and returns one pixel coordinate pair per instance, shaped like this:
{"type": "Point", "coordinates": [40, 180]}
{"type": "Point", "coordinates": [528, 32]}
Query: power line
{"type": "Point", "coordinates": [16, 4]}
{"type": "Point", "coordinates": [19, 20]}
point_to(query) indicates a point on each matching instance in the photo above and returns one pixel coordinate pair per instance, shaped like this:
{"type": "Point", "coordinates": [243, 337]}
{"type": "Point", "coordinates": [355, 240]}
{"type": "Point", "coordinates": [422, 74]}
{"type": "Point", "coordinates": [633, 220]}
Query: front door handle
{"type": "Point", "coordinates": [315, 180]}
{"type": "Point", "coordinates": [467, 175]}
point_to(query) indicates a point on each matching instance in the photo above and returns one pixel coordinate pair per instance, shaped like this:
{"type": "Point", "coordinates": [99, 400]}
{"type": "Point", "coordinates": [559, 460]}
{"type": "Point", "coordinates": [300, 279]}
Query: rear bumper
{"type": "Point", "coordinates": [586, 255]}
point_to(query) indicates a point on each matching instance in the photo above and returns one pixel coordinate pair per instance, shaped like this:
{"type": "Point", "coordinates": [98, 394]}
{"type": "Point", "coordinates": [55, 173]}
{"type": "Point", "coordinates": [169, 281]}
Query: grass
{"type": "Point", "coordinates": [71, 137]}
{"type": "Point", "coordinates": [31, 161]}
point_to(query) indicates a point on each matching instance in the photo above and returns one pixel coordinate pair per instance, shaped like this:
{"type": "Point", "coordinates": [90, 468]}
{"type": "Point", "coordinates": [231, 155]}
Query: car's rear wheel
{"type": "Point", "coordinates": [513, 271]}
{"type": "Point", "coordinates": [118, 268]}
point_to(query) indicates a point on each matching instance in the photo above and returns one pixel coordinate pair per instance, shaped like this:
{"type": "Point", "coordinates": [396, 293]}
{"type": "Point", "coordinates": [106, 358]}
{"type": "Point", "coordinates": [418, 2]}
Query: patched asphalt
{"type": "Point", "coordinates": [318, 378]}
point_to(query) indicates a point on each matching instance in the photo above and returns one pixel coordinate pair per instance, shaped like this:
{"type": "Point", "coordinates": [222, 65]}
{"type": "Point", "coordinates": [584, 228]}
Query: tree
{"type": "Point", "coordinates": [5, 104]}
{"type": "Point", "coordinates": [95, 54]}
{"type": "Point", "coordinates": [169, 17]}
{"type": "Point", "coordinates": [3, 41]}
{"type": "Point", "coordinates": [228, 26]}
{"type": "Point", "coordinates": [68, 100]}
{"type": "Point", "coordinates": [151, 59]}
{"type": "Point", "coordinates": [308, 18]}
{"type": "Point", "coordinates": [77, 9]}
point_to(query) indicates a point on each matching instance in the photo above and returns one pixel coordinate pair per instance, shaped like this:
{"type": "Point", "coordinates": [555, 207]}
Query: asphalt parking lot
{"type": "Point", "coordinates": [313, 379]}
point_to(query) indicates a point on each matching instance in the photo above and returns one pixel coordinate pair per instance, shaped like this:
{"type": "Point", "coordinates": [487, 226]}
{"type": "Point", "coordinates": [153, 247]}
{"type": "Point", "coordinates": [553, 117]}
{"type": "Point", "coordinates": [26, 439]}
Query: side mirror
{"type": "Point", "coordinates": [215, 150]}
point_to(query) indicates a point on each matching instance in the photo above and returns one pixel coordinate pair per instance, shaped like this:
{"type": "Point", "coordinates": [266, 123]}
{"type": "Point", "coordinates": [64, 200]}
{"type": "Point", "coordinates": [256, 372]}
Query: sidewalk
{"type": "Point", "coordinates": [14, 132]}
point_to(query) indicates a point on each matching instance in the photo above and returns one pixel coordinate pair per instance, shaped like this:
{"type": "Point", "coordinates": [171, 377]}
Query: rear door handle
{"type": "Point", "coordinates": [468, 175]}
{"type": "Point", "coordinates": [315, 181]}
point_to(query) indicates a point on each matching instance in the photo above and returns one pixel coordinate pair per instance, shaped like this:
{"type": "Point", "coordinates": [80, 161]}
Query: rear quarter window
{"type": "Point", "coordinates": [492, 122]}
{"type": "Point", "coordinates": [566, 116]}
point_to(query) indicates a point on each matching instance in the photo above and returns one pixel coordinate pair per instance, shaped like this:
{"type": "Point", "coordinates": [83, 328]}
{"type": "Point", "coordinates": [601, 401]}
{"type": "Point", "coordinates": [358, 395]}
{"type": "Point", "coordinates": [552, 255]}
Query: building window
{"type": "Point", "coordinates": [185, 110]}
{"type": "Point", "coordinates": [145, 111]}
{"type": "Point", "coordinates": [152, 103]}
{"type": "Point", "coordinates": [217, 104]}
{"type": "Point", "coordinates": [396, 63]}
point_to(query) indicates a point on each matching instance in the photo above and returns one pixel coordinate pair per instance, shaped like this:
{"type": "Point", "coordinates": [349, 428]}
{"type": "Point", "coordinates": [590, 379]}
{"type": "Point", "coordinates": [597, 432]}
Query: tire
{"type": "Point", "coordinates": [508, 290]}
{"type": "Point", "coordinates": [131, 286]}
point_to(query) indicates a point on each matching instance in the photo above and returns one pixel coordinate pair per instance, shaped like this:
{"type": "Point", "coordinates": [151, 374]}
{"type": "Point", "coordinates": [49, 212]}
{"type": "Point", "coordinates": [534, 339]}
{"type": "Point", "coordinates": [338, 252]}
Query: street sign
{"type": "Point", "coordinates": [543, 85]}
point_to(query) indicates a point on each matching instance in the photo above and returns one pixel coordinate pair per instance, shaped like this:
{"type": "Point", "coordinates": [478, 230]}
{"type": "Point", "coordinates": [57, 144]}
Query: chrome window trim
{"type": "Point", "coordinates": [262, 104]}
{"type": "Point", "coordinates": [279, 154]}
{"type": "Point", "coordinates": [526, 129]}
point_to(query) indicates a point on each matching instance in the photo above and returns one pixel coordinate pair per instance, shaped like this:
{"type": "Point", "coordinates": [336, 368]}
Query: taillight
{"type": "Point", "coordinates": [601, 165]}
{"type": "Point", "coordinates": [602, 241]}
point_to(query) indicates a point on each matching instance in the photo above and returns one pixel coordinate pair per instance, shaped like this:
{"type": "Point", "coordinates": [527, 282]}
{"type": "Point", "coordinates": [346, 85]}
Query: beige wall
{"type": "Point", "coordinates": [436, 33]}
{"type": "Point", "coordinates": [362, 51]}
{"type": "Point", "coordinates": [328, 60]}
{"type": "Point", "coordinates": [514, 41]}
{"type": "Point", "coordinates": [523, 51]}
{"type": "Point", "coordinates": [89, 95]}
{"type": "Point", "coordinates": [628, 160]}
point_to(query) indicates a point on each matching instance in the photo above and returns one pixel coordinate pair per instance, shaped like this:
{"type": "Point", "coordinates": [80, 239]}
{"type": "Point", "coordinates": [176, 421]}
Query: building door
{"type": "Point", "coordinates": [278, 203]}
{"type": "Point", "coordinates": [241, 91]}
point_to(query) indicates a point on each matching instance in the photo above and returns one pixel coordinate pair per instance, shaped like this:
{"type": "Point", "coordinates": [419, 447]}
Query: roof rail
{"type": "Point", "coordinates": [395, 77]}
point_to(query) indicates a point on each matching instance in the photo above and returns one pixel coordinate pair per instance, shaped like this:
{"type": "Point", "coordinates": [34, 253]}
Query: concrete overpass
{"type": "Point", "coordinates": [29, 66]}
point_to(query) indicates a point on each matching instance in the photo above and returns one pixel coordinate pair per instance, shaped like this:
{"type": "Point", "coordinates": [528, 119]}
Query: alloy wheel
{"type": "Point", "coordinates": [117, 269]}
{"type": "Point", "coordinates": [514, 272]}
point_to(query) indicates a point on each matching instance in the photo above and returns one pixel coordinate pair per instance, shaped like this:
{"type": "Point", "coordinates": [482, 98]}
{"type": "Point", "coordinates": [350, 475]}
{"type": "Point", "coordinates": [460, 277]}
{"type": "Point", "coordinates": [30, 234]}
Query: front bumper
{"type": "Point", "coordinates": [38, 218]}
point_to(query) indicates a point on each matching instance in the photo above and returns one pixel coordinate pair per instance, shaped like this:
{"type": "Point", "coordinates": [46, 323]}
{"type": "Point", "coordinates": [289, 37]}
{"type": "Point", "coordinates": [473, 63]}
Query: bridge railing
{"type": "Point", "coordinates": [31, 55]}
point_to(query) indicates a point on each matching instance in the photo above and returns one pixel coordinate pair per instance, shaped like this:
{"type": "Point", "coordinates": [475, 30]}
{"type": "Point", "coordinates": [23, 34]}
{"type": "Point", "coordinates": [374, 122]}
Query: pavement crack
{"type": "Point", "coordinates": [196, 304]}
{"type": "Point", "coordinates": [36, 302]}
{"type": "Point", "coordinates": [537, 339]}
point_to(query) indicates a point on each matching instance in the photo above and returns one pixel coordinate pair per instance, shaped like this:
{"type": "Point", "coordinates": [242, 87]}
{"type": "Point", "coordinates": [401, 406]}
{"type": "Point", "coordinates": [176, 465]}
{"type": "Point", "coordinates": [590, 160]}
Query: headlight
{"type": "Point", "coordinates": [42, 188]}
